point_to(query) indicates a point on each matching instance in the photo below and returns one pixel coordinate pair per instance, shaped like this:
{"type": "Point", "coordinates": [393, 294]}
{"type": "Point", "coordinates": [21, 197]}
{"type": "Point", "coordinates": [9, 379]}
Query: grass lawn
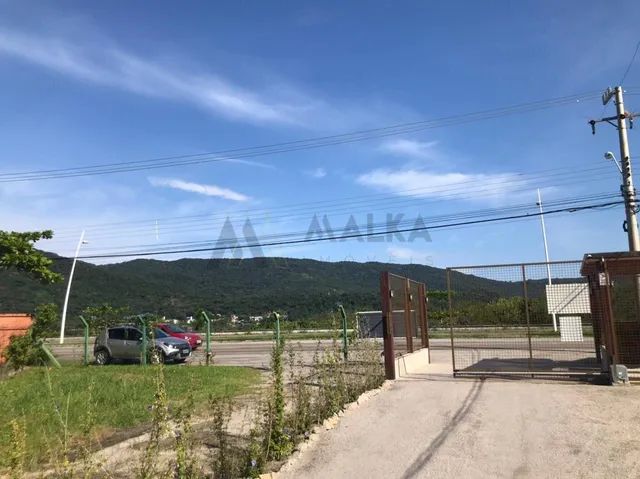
{"type": "Point", "coordinates": [122, 395]}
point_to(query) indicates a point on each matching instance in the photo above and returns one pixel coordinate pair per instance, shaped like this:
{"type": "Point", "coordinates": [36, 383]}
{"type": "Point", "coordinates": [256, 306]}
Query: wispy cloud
{"type": "Point", "coordinates": [207, 190]}
{"type": "Point", "coordinates": [420, 150]}
{"type": "Point", "coordinates": [317, 173]}
{"type": "Point", "coordinates": [426, 184]}
{"type": "Point", "coordinates": [117, 68]}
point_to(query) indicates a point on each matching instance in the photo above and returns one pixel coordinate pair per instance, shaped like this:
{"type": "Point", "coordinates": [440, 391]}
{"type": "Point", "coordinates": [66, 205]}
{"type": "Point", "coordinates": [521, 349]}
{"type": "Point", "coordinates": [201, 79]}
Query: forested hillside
{"type": "Point", "coordinates": [298, 287]}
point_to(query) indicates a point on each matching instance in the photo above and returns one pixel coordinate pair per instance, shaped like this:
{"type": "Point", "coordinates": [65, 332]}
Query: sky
{"type": "Point", "coordinates": [92, 83]}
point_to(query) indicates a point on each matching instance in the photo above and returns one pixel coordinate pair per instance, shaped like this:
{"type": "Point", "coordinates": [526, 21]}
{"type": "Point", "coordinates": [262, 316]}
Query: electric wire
{"type": "Point", "coordinates": [572, 209]}
{"type": "Point", "coordinates": [286, 147]}
{"type": "Point", "coordinates": [458, 191]}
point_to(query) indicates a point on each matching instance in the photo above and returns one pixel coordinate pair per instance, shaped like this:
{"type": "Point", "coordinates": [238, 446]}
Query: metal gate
{"type": "Point", "coordinates": [515, 319]}
{"type": "Point", "coordinates": [405, 325]}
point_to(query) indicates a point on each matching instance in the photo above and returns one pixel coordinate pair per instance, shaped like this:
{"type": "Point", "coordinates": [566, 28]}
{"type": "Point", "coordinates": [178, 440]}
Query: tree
{"type": "Point", "coordinates": [18, 252]}
{"type": "Point", "coordinates": [105, 315]}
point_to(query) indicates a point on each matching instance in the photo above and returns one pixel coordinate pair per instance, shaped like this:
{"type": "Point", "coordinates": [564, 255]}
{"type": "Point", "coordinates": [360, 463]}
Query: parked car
{"type": "Point", "coordinates": [195, 340]}
{"type": "Point", "coordinates": [124, 343]}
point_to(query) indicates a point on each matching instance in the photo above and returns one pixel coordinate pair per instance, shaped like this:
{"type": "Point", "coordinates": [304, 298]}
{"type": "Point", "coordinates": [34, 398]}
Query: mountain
{"type": "Point", "coordinates": [299, 287]}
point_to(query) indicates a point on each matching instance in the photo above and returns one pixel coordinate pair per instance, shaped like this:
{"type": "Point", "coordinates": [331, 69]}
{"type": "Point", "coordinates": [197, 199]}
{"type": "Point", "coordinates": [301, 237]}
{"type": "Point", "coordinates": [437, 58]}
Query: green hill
{"type": "Point", "coordinates": [299, 287]}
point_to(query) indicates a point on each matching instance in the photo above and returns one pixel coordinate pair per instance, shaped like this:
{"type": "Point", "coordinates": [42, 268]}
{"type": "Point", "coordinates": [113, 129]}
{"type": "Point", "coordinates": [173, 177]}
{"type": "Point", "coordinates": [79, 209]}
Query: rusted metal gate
{"type": "Point", "coordinates": [405, 323]}
{"type": "Point", "coordinates": [532, 319]}
{"type": "Point", "coordinates": [614, 290]}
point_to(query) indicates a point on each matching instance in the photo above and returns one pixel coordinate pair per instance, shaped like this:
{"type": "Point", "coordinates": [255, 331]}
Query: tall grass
{"type": "Point", "coordinates": [75, 400]}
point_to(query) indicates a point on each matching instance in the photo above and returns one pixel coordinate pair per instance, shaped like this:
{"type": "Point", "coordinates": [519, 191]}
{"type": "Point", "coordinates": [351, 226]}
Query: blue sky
{"type": "Point", "coordinates": [100, 82]}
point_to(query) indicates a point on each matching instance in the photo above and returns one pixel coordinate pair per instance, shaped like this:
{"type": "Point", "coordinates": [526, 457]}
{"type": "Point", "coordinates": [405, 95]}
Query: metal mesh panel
{"type": "Point", "coordinates": [533, 318]}
{"type": "Point", "coordinates": [404, 318]}
{"type": "Point", "coordinates": [414, 314]}
{"type": "Point", "coordinates": [614, 287]}
{"type": "Point", "coordinates": [401, 326]}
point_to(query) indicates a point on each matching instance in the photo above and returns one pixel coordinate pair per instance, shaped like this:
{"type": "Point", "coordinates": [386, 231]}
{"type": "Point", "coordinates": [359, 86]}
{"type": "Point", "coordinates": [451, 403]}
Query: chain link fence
{"type": "Point", "coordinates": [536, 319]}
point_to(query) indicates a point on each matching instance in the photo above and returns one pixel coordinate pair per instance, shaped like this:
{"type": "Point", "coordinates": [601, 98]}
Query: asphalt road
{"type": "Point", "coordinates": [469, 351]}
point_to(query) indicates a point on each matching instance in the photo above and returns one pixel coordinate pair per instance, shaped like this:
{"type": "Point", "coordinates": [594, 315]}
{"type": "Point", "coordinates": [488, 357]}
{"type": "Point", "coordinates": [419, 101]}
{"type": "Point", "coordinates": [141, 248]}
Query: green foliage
{"type": "Point", "coordinates": [17, 451]}
{"type": "Point", "coordinates": [304, 290]}
{"type": "Point", "coordinates": [26, 350]}
{"type": "Point", "coordinates": [46, 320]}
{"type": "Point", "coordinates": [501, 312]}
{"type": "Point", "coordinates": [100, 317]}
{"type": "Point", "coordinates": [147, 468]}
{"type": "Point", "coordinates": [278, 443]}
{"type": "Point", "coordinates": [22, 351]}
{"type": "Point", "coordinates": [17, 252]}
{"type": "Point", "coordinates": [224, 465]}
{"type": "Point", "coordinates": [119, 397]}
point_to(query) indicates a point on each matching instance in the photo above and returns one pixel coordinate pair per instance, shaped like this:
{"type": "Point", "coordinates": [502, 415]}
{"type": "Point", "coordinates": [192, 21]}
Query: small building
{"type": "Point", "coordinates": [12, 324]}
{"type": "Point", "coordinates": [614, 294]}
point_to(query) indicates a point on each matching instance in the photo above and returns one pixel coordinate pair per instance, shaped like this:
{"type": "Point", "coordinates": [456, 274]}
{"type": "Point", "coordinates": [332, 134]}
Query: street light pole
{"type": "Point", "coordinates": [546, 253]}
{"type": "Point", "coordinates": [66, 296]}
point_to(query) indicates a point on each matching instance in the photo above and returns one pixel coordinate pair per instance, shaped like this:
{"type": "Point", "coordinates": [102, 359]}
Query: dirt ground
{"type": "Point", "coordinates": [432, 425]}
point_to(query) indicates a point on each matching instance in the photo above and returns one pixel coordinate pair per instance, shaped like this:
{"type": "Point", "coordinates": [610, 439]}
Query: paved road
{"type": "Point", "coordinates": [470, 353]}
{"type": "Point", "coordinates": [234, 353]}
{"type": "Point", "coordinates": [434, 426]}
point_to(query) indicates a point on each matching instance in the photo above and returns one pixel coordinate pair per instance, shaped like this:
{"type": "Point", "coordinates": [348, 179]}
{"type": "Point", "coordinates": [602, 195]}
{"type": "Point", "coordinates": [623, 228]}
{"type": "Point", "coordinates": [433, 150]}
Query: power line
{"type": "Point", "coordinates": [458, 190]}
{"type": "Point", "coordinates": [350, 236]}
{"type": "Point", "coordinates": [208, 226]}
{"type": "Point", "coordinates": [633, 58]}
{"type": "Point", "coordinates": [286, 147]}
{"type": "Point", "coordinates": [377, 226]}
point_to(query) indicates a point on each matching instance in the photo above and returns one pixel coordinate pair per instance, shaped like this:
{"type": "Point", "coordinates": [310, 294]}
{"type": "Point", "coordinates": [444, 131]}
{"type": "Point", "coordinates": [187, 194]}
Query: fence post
{"type": "Point", "coordinates": [450, 293]}
{"type": "Point", "coordinates": [615, 356]}
{"type": "Point", "coordinates": [526, 313]}
{"type": "Point", "coordinates": [208, 347]}
{"type": "Point", "coordinates": [387, 326]}
{"type": "Point", "coordinates": [277, 318]}
{"type": "Point", "coordinates": [408, 329]}
{"type": "Point", "coordinates": [345, 350]}
{"type": "Point", "coordinates": [143, 323]}
{"type": "Point", "coordinates": [86, 339]}
{"type": "Point", "coordinates": [424, 321]}
{"type": "Point", "coordinates": [49, 354]}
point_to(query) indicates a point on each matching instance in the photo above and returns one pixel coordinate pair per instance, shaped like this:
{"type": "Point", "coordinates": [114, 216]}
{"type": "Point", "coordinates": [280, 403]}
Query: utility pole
{"type": "Point", "coordinates": [628, 191]}
{"type": "Point", "coordinates": [546, 254]}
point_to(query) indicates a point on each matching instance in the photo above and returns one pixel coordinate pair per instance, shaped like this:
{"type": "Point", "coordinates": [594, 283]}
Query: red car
{"type": "Point", "coordinates": [194, 339]}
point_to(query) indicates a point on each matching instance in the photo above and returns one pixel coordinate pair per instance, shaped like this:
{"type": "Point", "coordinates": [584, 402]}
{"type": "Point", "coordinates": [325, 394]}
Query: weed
{"type": "Point", "coordinates": [186, 464]}
{"type": "Point", "coordinates": [18, 448]}
{"type": "Point", "coordinates": [159, 428]}
{"type": "Point", "coordinates": [226, 464]}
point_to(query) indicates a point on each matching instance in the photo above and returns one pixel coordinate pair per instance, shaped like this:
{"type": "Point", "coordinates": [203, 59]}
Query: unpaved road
{"type": "Point", "coordinates": [436, 426]}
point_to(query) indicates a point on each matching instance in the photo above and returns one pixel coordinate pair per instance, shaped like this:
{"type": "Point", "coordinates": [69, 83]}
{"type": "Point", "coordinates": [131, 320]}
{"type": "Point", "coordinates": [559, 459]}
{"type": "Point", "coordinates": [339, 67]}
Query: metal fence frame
{"type": "Point", "coordinates": [414, 311]}
{"type": "Point", "coordinates": [528, 367]}
{"type": "Point", "coordinates": [619, 313]}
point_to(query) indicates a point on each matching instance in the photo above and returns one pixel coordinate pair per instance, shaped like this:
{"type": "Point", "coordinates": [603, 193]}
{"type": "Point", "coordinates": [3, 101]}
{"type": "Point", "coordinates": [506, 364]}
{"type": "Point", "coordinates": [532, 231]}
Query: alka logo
{"type": "Point", "coordinates": [228, 241]}
{"type": "Point", "coordinates": [388, 232]}
{"type": "Point", "coordinates": [395, 228]}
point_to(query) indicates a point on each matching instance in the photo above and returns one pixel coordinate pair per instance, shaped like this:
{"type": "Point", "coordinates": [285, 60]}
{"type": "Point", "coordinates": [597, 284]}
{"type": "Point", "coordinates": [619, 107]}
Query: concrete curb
{"type": "Point", "coordinates": [327, 425]}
